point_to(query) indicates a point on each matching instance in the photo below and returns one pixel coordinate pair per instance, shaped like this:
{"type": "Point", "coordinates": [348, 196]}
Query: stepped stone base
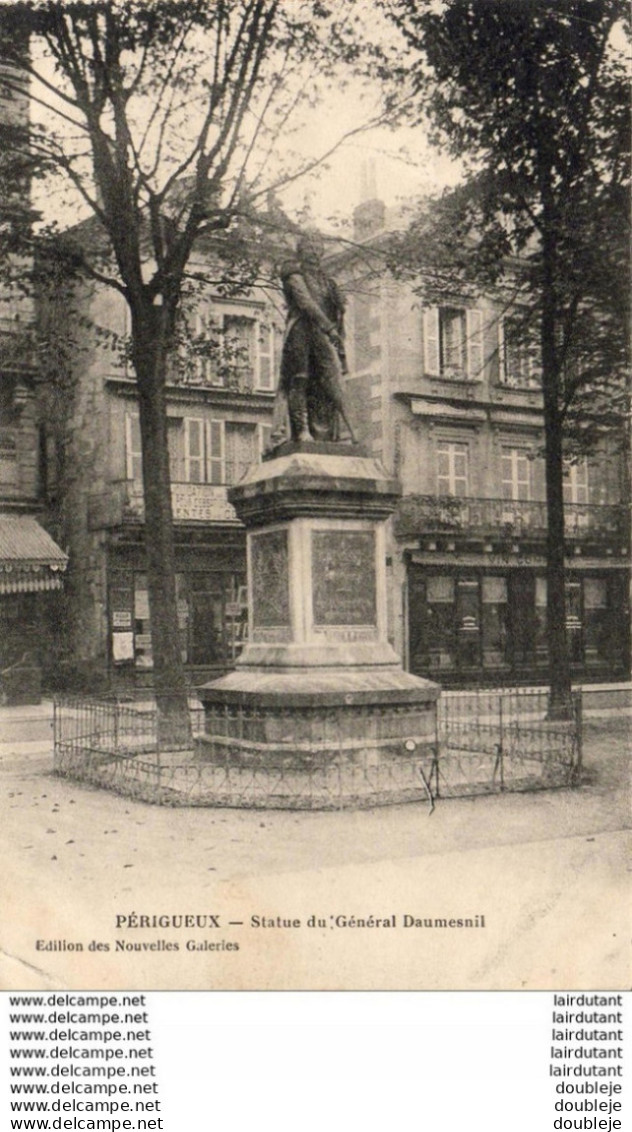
{"type": "Point", "coordinates": [353, 738]}
{"type": "Point", "coordinates": [319, 710]}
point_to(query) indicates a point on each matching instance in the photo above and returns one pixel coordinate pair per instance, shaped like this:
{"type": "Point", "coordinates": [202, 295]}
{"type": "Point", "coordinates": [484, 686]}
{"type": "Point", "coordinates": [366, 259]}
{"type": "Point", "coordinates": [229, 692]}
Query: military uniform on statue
{"type": "Point", "coordinates": [313, 360]}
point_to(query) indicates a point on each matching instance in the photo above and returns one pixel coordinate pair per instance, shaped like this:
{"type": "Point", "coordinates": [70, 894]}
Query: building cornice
{"type": "Point", "coordinates": [195, 394]}
{"type": "Point", "coordinates": [471, 411]}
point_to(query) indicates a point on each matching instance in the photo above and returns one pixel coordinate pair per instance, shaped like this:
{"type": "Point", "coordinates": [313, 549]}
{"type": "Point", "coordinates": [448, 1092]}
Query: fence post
{"type": "Point", "coordinates": [116, 724]}
{"type": "Point", "coordinates": [501, 745]}
{"type": "Point", "coordinates": [55, 735]}
{"type": "Point", "coordinates": [579, 734]}
{"type": "Point", "coordinates": [434, 770]}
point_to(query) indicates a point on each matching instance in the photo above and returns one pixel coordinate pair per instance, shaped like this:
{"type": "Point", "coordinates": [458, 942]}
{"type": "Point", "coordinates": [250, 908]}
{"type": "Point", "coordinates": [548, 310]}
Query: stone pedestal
{"type": "Point", "coordinates": [319, 695]}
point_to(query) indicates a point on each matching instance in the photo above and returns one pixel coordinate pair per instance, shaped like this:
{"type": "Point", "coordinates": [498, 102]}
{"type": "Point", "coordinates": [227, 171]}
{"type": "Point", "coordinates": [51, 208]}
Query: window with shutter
{"type": "Point", "coordinates": [516, 474]}
{"type": "Point", "coordinates": [240, 348]}
{"type": "Point", "coordinates": [133, 450]}
{"type": "Point", "coordinates": [475, 348]}
{"type": "Point", "coordinates": [215, 452]}
{"type": "Point", "coordinates": [194, 467]}
{"type": "Point", "coordinates": [265, 357]}
{"type": "Point", "coordinates": [576, 482]}
{"type": "Point", "coordinates": [431, 341]}
{"type": "Point", "coordinates": [517, 354]}
{"type": "Point", "coordinates": [207, 333]}
{"type": "Point", "coordinates": [204, 456]}
{"type": "Point", "coordinates": [174, 441]}
{"type": "Point", "coordinates": [454, 343]}
{"type": "Point", "coordinates": [452, 326]}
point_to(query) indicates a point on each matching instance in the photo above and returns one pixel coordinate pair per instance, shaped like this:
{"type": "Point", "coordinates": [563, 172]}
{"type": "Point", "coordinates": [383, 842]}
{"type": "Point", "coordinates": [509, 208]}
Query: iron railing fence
{"type": "Point", "coordinates": [487, 741]}
{"type": "Point", "coordinates": [509, 738]}
{"type": "Point", "coordinates": [121, 725]}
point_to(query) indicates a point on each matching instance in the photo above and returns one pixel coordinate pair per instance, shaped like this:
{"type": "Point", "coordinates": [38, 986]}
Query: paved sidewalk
{"type": "Point", "coordinates": [26, 724]}
{"type": "Point", "coordinates": [547, 869]}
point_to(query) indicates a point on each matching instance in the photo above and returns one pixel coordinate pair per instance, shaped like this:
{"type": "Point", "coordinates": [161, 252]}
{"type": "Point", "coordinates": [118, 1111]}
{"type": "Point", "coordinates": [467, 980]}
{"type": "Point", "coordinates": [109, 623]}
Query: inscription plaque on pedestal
{"type": "Point", "coordinates": [270, 579]}
{"type": "Point", "coordinates": [343, 576]}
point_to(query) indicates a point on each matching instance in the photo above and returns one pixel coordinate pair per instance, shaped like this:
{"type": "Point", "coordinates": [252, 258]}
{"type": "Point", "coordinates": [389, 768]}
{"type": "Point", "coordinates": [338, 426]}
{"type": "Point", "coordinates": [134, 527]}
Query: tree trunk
{"type": "Point", "coordinates": [559, 666]}
{"type": "Point", "coordinates": [148, 344]}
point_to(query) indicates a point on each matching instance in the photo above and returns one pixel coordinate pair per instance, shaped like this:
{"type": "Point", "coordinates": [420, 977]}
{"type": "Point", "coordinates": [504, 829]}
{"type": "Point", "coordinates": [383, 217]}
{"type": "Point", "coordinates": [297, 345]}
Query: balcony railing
{"type": "Point", "coordinates": [431, 514]}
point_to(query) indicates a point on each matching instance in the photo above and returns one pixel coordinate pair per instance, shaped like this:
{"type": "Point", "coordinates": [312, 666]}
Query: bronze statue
{"type": "Point", "coordinates": [313, 359]}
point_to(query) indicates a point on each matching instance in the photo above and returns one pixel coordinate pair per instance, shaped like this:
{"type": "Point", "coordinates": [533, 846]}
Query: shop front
{"type": "Point", "coordinates": [211, 601]}
{"type": "Point", "coordinates": [472, 624]}
{"type": "Point", "coordinates": [31, 575]}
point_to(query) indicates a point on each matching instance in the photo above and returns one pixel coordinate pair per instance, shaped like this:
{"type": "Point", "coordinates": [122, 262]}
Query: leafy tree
{"type": "Point", "coordinates": [534, 97]}
{"type": "Point", "coordinates": [164, 118]}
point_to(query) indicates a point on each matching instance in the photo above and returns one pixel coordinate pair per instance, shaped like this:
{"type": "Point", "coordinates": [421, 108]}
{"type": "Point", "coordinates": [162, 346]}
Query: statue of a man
{"type": "Point", "coordinates": [313, 358]}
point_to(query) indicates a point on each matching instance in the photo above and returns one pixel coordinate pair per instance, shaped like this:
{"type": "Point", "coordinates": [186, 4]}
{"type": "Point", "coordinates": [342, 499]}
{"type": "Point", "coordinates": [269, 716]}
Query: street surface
{"type": "Point", "coordinates": [549, 872]}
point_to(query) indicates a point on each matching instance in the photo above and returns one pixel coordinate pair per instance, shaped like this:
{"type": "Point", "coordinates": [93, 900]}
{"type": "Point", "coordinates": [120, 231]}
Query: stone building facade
{"type": "Point", "coordinates": [32, 565]}
{"type": "Point", "coordinates": [220, 404]}
{"type": "Point", "coordinates": [451, 402]}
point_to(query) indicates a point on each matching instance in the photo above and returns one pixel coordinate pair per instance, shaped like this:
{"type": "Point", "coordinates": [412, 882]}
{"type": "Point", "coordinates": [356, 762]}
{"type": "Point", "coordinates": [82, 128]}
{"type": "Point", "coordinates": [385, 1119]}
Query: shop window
{"type": "Point", "coordinates": [453, 343]}
{"type": "Point", "coordinates": [143, 649]}
{"type": "Point", "coordinates": [440, 593]}
{"type": "Point", "coordinates": [468, 622]}
{"type": "Point", "coordinates": [212, 613]}
{"type": "Point", "coordinates": [518, 354]}
{"type": "Point", "coordinates": [522, 618]}
{"type": "Point", "coordinates": [418, 632]}
{"type": "Point", "coordinates": [452, 469]}
{"type": "Point", "coordinates": [121, 605]}
{"type": "Point", "coordinates": [574, 619]}
{"type": "Point", "coordinates": [597, 635]}
{"type": "Point", "coordinates": [541, 640]}
{"type": "Point", "coordinates": [217, 622]}
{"type": "Point", "coordinates": [143, 653]}
{"type": "Point", "coordinates": [494, 622]}
{"type": "Point", "coordinates": [206, 636]}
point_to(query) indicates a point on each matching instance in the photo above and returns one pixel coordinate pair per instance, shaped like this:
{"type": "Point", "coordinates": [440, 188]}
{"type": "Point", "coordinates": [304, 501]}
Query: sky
{"type": "Point", "coordinates": [397, 165]}
{"type": "Point", "coordinates": [393, 165]}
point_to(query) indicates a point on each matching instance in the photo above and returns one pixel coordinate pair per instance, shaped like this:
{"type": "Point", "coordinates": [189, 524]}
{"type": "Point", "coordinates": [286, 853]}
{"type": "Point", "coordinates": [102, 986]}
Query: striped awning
{"type": "Point", "coordinates": [30, 560]}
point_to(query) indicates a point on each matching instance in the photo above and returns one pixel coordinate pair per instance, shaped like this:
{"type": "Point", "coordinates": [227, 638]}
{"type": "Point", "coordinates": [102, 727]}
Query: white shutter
{"type": "Point", "coordinates": [265, 356]}
{"type": "Point", "coordinates": [502, 361]}
{"type": "Point", "coordinates": [194, 450]}
{"type": "Point", "coordinates": [133, 450]}
{"type": "Point", "coordinates": [475, 351]}
{"type": "Point", "coordinates": [215, 452]}
{"type": "Point", "coordinates": [431, 342]}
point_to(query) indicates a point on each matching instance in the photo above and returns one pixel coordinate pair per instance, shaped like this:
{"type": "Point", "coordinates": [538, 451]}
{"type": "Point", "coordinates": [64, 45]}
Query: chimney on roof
{"type": "Point", "coordinates": [370, 214]}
